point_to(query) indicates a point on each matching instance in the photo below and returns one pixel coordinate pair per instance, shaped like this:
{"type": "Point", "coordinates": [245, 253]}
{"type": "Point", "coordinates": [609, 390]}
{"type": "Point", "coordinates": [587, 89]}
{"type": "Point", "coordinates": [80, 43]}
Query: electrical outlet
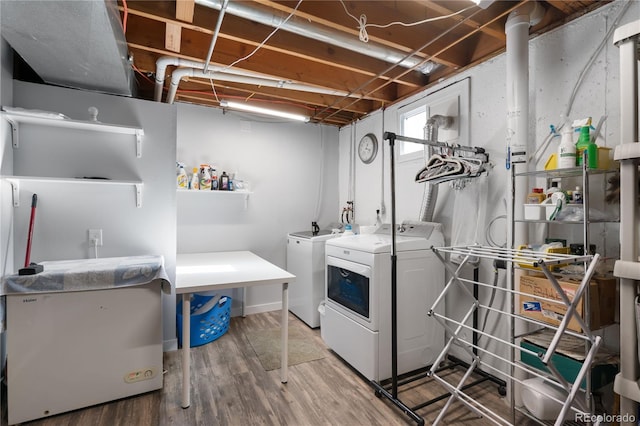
{"type": "Point", "coordinates": [95, 235]}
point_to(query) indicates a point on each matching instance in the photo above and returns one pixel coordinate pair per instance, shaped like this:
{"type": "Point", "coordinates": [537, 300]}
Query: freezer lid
{"type": "Point", "coordinates": [90, 274]}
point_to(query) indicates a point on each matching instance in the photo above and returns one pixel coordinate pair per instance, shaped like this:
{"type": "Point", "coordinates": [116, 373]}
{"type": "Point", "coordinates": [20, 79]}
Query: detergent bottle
{"type": "Point", "coordinates": [195, 180]}
{"type": "Point", "coordinates": [214, 179]}
{"type": "Point", "coordinates": [566, 149]}
{"type": "Point", "coordinates": [586, 145]}
{"type": "Point", "coordinates": [182, 179]}
{"type": "Point", "coordinates": [205, 177]}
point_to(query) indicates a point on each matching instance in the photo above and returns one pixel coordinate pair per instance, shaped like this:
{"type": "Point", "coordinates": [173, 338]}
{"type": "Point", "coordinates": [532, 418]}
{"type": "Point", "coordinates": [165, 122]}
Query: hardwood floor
{"type": "Point", "coordinates": [230, 387]}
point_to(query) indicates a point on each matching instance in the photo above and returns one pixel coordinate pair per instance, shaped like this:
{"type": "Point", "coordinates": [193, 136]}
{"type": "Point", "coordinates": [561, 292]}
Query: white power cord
{"type": "Point", "coordinates": [362, 22]}
{"type": "Point", "coordinates": [95, 246]}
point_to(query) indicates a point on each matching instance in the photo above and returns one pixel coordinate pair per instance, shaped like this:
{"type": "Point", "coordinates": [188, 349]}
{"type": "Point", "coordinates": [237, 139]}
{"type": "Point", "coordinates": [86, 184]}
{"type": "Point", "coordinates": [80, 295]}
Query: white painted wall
{"type": "Point", "coordinates": [66, 211]}
{"type": "Point", "coordinates": [293, 173]}
{"type": "Point", "coordinates": [556, 60]}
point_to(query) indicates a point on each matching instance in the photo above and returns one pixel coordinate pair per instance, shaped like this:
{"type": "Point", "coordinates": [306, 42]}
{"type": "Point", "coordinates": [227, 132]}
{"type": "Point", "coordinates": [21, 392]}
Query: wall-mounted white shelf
{"type": "Point", "coordinates": [17, 117]}
{"type": "Point", "coordinates": [216, 194]}
{"type": "Point", "coordinates": [15, 184]}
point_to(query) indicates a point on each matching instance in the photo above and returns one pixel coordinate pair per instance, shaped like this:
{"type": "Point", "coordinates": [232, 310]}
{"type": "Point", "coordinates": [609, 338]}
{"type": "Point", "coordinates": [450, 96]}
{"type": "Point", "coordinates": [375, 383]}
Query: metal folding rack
{"type": "Point", "coordinates": [455, 326]}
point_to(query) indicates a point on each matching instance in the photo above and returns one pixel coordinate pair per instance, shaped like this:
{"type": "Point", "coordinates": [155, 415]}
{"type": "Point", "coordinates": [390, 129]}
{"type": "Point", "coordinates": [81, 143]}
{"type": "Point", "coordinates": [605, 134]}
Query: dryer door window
{"type": "Point", "coordinates": [349, 289]}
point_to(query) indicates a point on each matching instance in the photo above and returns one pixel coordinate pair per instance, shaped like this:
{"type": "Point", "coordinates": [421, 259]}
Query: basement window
{"type": "Point", "coordinates": [451, 101]}
{"type": "Point", "coordinates": [412, 121]}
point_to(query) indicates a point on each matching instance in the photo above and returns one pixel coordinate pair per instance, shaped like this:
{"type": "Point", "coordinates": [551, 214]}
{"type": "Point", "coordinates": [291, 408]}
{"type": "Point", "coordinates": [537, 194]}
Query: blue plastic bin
{"type": "Point", "coordinates": [207, 326]}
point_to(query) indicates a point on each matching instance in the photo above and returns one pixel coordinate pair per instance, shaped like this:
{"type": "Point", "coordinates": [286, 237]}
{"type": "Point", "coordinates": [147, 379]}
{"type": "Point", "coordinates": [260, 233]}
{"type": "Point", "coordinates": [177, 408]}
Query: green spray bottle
{"type": "Point", "coordinates": [585, 146]}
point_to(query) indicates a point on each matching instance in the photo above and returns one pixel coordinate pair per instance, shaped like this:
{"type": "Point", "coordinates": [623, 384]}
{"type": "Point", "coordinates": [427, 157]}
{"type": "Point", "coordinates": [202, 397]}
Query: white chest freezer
{"type": "Point", "coordinates": [69, 349]}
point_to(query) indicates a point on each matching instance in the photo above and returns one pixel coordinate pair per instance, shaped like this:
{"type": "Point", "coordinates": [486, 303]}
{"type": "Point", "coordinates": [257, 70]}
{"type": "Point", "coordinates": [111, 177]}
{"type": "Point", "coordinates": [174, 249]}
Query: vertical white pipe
{"type": "Point", "coordinates": [517, 97]}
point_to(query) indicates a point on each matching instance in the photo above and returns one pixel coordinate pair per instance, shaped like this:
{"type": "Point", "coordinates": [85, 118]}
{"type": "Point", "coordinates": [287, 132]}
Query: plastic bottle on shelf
{"type": "Point", "coordinates": [347, 230]}
{"type": "Point", "coordinates": [566, 149]}
{"type": "Point", "coordinates": [195, 180]}
{"type": "Point", "coordinates": [586, 145]}
{"type": "Point", "coordinates": [224, 181]}
{"type": "Point", "coordinates": [205, 177]}
{"type": "Point", "coordinates": [555, 187]}
{"type": "Point", "coordinates": [214, 179]}
{"type": "Point", "coordinates": [576, 196]}
{"type": "Point", "coordinates": [182, 178]}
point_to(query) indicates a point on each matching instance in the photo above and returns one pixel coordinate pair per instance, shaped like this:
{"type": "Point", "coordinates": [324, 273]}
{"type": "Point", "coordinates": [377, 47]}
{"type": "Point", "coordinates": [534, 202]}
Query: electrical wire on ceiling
{"type": "Point", "coordinates": [392, 66]}
{"type": "Point", "coordinates": [258, 47]}
{"type": "Point", "coordinates": [362, 22]}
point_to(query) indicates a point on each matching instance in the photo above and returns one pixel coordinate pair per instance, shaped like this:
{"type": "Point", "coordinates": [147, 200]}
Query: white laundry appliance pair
{"type": "Point", "coordinates": [356, 323]}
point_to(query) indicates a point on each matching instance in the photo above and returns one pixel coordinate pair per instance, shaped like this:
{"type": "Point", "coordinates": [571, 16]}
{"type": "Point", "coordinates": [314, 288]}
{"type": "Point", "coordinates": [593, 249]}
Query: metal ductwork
{"type": "Point", "coordinates": [263, 15]}
{"type": "Point", "coordinates": [78, 44]}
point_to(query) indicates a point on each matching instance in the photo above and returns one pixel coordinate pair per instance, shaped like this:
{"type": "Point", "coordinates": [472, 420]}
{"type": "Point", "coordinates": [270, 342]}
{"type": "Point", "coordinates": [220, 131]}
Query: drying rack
{"type": "Point", "coordinates": [391, 392]}
{"type": "Point", "coordinates": [549, 371]}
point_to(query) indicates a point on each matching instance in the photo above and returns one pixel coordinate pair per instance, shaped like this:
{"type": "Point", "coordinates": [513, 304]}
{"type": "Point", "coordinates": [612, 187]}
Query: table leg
{"type": "Point", "coordinates": [244, 298]}
{"type": "Point", "coordinates": [284, 337]}
{"type": "Point", "coordinates": [186, 350]}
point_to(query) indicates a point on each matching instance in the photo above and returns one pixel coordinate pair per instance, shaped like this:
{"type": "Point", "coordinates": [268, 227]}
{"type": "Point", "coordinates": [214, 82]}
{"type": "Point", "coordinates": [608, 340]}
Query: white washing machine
{"type": "Point", "coordinates": [305, 260]}
{"type": "Point", "coordinates": [356, 323]}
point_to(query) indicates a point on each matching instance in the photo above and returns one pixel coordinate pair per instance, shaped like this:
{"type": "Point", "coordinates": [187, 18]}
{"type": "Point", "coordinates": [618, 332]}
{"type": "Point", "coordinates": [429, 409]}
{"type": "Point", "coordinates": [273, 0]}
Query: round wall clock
{"type": "Point", "coordinates": [368, 148]}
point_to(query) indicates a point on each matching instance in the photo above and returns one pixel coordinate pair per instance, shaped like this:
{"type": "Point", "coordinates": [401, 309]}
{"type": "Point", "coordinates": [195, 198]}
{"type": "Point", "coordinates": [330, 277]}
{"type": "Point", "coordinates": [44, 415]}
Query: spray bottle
{"type": "Point", "coordinates": [205, 177]}
{"type": "Point", "coordinates": [182, 179]}
{"type": "Point", "coordinates": [586, 145]}
{"type": "Point", "coordinates": [566, 149]}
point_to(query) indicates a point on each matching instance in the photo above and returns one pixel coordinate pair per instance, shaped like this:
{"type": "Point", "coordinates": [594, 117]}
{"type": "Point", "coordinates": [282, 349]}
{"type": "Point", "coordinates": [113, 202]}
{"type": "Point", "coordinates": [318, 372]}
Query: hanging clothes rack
{"type": "Point", "coordinates": [391, 392]}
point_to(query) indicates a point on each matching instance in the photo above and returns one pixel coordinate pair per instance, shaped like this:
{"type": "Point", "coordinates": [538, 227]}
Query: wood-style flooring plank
{"type": "Point", "coordinates": [229, 387]}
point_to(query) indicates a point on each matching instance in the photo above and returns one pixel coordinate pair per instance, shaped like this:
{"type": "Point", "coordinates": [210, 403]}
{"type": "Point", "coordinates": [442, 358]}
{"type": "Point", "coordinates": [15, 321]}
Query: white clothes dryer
{"type": "Point", "coordinates": [356, 323]}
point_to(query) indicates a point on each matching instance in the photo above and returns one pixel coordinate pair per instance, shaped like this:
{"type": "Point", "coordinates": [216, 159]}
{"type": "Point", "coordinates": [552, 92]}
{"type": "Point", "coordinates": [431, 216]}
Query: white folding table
{"type": "Point", "coordinates": [224, 270]}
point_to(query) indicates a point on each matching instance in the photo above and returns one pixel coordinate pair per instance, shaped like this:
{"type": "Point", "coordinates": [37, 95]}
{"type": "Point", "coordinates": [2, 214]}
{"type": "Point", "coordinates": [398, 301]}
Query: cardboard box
{"type": "Point", "coordinates": [602, 292]}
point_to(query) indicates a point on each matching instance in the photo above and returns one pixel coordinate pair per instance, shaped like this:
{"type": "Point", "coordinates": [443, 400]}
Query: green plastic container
{"type": "Point", "coordinates": [586, 148]}
{"type": "Point", "coordinates": [569, 368]}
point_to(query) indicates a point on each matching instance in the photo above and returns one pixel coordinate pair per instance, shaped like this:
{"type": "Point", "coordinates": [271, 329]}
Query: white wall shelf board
{"type": "Point", "coordinates": [15, 184]}
{"type": "Point", "coordinates": [51, 120]}
{"type": "Point", "coordinates": [216, 194]}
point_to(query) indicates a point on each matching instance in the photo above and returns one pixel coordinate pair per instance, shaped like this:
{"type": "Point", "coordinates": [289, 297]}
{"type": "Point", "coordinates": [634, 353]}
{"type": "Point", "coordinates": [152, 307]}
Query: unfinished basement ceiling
{"type": "Point", "coordinates": [333, 76]}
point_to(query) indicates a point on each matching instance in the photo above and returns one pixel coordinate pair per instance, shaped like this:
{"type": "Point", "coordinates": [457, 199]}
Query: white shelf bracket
{"type": "Point", "coordinates": [15, 192]}
{"type": "Point", "coordinates": [139, 134]}
{"type": "Point", "coordinates": [15, 133]}
{"type": "Point", "coordinates": [139, 194]}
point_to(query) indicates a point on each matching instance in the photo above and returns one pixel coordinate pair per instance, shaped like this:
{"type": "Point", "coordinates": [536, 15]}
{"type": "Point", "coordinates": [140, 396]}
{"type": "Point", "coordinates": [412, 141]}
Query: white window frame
{"type": "Point", "coordinates": [431, 104]}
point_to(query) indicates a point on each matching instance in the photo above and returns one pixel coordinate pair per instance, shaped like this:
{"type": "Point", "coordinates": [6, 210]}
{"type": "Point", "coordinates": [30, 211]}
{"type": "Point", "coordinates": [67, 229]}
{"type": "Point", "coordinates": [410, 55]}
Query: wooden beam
{"type": "Point", "coordinates": [172, 37]}
{"type": "Point", "coordinates": [273, 63]}
{"type": "Point", "coordinates": [289, 44]}
{"type": "Point", "coordinates": [184, 10]}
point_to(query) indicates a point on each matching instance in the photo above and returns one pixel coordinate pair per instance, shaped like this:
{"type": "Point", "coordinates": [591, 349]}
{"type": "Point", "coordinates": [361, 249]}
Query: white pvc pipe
{"type": "Point", "coordinates": [164, 61]}
{"type": "Point", "coordinates": [217, 74]}
{"type": "Point", "coordinates": [517, 98]}
{"type": "Point", "coordinates": [257, 13]}
{"type": "Point", "coordinates": [215, 34]}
